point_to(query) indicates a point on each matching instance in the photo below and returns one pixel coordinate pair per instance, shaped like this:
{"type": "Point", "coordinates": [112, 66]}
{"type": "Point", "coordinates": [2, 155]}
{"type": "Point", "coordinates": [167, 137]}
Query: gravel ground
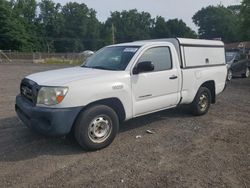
{"type": "Point", "coordinates": [185, 151]}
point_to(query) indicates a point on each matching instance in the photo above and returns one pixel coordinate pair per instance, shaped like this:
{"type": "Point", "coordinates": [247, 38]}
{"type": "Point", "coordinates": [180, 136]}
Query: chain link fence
{"type": "Point", "coordinates": [37, 57]}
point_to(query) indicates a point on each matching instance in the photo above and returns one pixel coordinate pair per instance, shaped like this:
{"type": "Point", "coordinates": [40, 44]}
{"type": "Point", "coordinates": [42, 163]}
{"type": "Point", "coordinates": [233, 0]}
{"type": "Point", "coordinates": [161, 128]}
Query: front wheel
{"type": "Point", "coordinates": [202, 102]}
{"type": "Point", "coordinates": [247, 73]}
{"type": "Point", "coordinates": [96, 127]}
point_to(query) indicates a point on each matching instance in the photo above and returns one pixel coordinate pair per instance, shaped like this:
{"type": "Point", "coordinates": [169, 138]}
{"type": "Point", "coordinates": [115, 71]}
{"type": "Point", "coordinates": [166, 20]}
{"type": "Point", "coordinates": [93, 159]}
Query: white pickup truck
{"type": "Point", "coordinates": [120, 82]}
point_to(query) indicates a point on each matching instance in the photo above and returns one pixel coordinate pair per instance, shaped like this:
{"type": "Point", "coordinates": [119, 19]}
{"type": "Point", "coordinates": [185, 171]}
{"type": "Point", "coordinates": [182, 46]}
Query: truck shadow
{"type": "Point", "coordinates": [19, 143]}
{"type": "Point", "coordinates": [138, 122]}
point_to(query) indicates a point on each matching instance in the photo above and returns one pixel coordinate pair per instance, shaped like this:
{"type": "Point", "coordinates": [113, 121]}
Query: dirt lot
{"type": "Point", "coordinates": [185, 151]}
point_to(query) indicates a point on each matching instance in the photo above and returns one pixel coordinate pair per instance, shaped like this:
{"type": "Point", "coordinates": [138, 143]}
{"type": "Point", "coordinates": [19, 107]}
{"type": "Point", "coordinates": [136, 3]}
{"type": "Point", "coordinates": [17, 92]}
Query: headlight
{"type": "Point", "coordinates": [51, 95]}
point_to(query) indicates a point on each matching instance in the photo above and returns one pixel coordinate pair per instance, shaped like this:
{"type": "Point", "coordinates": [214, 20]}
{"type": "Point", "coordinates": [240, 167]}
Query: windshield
{"type": "Point", "coordinates": [230, 56]}
{"type": "Point", "coordinates": [112, 58]}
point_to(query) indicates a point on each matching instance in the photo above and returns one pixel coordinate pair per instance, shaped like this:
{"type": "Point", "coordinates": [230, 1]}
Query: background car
{"type": "Point", "coordinates": [237, 65]}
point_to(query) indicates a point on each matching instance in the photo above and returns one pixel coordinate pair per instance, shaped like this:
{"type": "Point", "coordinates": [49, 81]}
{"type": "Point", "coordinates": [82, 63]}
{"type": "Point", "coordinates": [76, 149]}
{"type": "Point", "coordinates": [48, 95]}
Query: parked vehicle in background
{"type": "Point", "coordinates": [238, 65]}
{"type": "Point", "coordinates": [120, 82]}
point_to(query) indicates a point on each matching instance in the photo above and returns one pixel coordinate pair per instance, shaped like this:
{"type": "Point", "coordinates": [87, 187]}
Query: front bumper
{"type": "Point", "coordinates": [48, 121]}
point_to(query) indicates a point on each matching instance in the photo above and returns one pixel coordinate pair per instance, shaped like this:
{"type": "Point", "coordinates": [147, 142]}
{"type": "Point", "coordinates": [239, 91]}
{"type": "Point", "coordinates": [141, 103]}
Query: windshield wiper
{"type": "Point", "coordinates": [99, 67]}
{"type": "Point", "coordinates": [85, 66]}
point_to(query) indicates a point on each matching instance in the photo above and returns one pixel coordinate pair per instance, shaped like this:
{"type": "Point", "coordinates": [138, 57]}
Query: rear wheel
{"type": "Point", "coordinates": [247, 73]}
{"type": "Point", "coordinates": [96, 127]}
{"type": "Point", "coordinates": [202, 102]}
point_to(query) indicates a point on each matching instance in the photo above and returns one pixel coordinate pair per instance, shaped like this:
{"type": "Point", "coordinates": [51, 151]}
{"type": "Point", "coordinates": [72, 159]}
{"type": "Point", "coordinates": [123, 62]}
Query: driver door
{"type": "Point", "coordinates": [157, 89]}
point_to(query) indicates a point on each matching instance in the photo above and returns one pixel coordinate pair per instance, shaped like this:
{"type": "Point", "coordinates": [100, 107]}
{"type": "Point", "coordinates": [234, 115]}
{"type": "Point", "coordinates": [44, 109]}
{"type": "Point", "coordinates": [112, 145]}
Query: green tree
{"type": "Point", "coordinates": [26, 25]}
{"type": "Point", "coordinates": [217, 22]}
{"type": "Point", "coordinates": [50, 23]}
{"type": "Point", "coordinates": [160, 29]}
{"type": "Point", "coordinates": [106, 37]}
{"type": "Point", "coordinates": [13, 31]}
{"type": "Point", "coordinates": [24, 11]}
{"type": "Point", "coordinates": [235, 9]}
{"type": "Point", "coordinates": [92, 38]}
{"type": "Point", "coordinates": [178, 28]}
{"type": "Point", "coordinates": [171, 28]}
{"type": "Point", "coordinates": [81, 27]}
{"type": "Point", "coordinates": [245, 19]}
{"type": "Point", "coordinates": [130, 25]}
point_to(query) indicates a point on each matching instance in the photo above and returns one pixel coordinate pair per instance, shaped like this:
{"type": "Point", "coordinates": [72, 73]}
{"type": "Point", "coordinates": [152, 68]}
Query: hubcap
{"type": "Point", "coordinates": [247, 72]}
{"type": "Point", "coordinates": [203, 102]}
{"type": "Point", "coordinates": [99, 129]}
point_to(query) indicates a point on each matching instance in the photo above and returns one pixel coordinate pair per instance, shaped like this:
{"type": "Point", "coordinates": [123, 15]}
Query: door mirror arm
{"type": "Point", "coordinates": [135, 70]}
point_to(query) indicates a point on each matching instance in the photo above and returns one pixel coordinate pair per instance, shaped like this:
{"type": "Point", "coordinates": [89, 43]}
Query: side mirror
{"type": "Point", "coordinates": [144, 66]}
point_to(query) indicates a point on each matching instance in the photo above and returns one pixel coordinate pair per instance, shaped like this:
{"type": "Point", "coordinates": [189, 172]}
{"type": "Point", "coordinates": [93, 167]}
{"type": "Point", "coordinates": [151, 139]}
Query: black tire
{"type": "Point", "coordinates": [201, 102]}
{"type": "Point", "coordinates": [92, 122]}
{"type": "Point", "coordinates": [247, 73]}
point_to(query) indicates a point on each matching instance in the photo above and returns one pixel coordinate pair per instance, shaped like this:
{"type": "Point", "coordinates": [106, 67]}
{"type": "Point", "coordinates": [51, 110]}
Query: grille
{"type": "Point", "coordinates": [29, 89]}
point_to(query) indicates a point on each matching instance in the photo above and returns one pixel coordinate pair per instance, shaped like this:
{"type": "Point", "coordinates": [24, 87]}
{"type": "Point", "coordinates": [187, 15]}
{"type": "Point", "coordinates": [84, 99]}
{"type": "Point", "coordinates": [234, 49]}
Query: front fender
{"type": "Point", "coordinates": [83, 94]}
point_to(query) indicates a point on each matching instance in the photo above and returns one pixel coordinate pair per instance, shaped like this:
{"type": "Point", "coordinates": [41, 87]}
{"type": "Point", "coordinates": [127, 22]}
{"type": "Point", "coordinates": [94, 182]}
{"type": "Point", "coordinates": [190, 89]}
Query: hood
{"type": "Point", "coordinates": [61, 77]}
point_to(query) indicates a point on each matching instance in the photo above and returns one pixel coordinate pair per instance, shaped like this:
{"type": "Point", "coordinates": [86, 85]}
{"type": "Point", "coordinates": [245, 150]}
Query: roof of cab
{"type": "Point", "coordinates": [137, 43]}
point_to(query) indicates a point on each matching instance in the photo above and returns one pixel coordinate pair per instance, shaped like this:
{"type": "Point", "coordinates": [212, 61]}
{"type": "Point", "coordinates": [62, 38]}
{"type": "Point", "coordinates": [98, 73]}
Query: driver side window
{"type": "Point", "coordinates": [159, 56]}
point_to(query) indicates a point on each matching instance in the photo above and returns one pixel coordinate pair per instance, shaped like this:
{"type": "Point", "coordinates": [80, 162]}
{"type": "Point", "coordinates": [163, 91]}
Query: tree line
{"type": "Point", "coordinates": [45, 26]}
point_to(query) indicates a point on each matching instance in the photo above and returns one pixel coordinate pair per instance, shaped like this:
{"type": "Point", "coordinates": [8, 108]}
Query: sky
{"type": "Point", "coordinates": [169, 9]}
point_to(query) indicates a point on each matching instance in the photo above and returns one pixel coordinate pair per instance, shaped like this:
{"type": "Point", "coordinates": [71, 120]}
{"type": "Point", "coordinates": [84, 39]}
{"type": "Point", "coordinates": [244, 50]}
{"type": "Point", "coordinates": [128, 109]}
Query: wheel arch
{"type": "Point", "coordinates": [113, 103]}
{"type": "Point", "coordinates": [211, 86]}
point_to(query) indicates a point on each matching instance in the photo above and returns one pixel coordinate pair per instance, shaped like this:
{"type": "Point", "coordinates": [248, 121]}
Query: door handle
{"type": "Point", "coordinates": [173, 77]}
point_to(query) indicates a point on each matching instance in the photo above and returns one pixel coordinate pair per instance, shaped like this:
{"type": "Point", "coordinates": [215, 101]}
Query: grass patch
{"type": "Point", "coordinates": [63, 61]}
